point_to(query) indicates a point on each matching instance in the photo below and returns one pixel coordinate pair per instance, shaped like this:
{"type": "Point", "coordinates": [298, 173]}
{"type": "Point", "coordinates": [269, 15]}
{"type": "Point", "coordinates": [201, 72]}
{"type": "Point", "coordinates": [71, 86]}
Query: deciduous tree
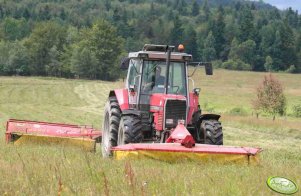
{"type": "Point", "coordinates": [99, 48]}
{"type": "Point", "coordinates": [268, 63]}
{"type": "Point", "coordinates": [270, 97]}
{"type": "Point", "coordinates": [209, 53]}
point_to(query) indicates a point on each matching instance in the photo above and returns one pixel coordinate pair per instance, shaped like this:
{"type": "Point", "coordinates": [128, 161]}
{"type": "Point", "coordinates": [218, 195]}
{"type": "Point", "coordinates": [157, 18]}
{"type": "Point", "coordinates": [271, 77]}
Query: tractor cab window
{"type": "Point", "coordinates": [177, 79]}
{"type": "Point", "coordinates": [154, 76]}
{"type": "Point", "coordinates": [133, 74]}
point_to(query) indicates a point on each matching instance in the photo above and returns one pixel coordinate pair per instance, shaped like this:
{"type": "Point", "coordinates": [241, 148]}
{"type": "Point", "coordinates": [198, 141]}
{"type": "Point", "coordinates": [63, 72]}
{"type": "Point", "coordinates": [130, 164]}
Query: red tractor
{"type": "Point", "coordinates": [155, 100]}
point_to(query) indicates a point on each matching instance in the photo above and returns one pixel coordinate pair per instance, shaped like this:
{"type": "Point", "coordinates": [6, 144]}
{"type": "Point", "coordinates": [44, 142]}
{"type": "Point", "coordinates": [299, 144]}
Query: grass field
{"type": "Point", "coordinates": [53, 170]}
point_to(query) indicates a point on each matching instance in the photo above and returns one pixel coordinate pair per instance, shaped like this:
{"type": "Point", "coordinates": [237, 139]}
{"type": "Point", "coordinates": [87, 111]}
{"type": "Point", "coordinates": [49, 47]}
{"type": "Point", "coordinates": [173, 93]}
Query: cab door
{"type": "Point", "coordinates": [133, 81]}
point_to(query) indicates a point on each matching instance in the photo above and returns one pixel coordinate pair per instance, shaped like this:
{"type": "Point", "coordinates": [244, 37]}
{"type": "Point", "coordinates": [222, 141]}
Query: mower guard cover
{"type": "Point", "coordinates": [175, 152]}
{"type": "Point", "coordinates": [27, 132]}
{"type": "Point", "coordinates": [181, 146]}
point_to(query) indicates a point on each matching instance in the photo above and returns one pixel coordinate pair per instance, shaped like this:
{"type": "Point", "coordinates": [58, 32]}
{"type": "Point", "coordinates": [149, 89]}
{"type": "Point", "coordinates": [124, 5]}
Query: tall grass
{"type": "Point", "coordinates": [57, 170]}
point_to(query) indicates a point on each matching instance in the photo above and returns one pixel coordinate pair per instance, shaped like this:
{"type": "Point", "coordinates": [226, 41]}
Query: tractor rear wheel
{"type": "Point", "coordinates": [130, 130]}
{"type": "Point", "coordinates": [213, 132]}
{"type": "Point", "coordinates": [112, 115]}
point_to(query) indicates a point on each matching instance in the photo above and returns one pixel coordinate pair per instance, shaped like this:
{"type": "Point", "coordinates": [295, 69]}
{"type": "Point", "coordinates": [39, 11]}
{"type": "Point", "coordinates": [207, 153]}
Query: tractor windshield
{"type": "Point", "coordinates": [154, 76]}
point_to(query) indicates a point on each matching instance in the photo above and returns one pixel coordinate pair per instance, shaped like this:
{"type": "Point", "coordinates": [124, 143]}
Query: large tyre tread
{"type": "Point", "coordinates": [213, 132]}
{"type": "Point", "coordinates": [132, 129]}
{"type": "Point", "coordinates": [113, 110]}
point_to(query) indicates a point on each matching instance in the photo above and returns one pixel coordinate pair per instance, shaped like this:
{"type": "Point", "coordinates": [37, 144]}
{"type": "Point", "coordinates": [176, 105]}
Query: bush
{"type": "Point", "coordinates": [297, 111]}
{"type": "Point", "coordinates": [292, 69]}
{"type": "Point", "coordinates": [240, 65]}
{"type": "Point", "coordinates": [228, 64]}
{"type": "Point", "coordinates": [238, 111]}
{"type": "Point", "coordinates": [217, 64]}
{"type": "Point", "coordinates": [236, 65]}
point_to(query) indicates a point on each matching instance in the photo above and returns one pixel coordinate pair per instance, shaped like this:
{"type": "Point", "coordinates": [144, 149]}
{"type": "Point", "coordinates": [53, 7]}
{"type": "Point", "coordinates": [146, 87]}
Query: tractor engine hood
{"type": "Point", "coordinates": [157, 100]}
{"type": "Point", "coordinates": [168, 110]}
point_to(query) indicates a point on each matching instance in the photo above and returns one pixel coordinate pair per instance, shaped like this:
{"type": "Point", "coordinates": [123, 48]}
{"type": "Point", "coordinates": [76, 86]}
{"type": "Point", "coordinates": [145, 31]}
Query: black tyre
{"type": "Point", "coordinates": [112, 115]}
{"type": "Point", "coordinates": [212, 131]}
{"type": "Point", "coordinates": [130, 130]}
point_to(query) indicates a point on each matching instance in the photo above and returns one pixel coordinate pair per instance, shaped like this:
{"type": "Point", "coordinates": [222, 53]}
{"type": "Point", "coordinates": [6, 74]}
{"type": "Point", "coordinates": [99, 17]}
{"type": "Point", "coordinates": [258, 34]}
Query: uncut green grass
{"type": "Point", "coordinates": [52, 170]}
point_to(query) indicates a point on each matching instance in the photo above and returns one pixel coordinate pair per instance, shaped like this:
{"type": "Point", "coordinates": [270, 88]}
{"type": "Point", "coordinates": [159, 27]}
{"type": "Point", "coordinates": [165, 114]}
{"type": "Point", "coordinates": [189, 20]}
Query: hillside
{"type": "Point", "coordinates": [50, 170]}
{"type": "Point", "coordinates": [57, 38]}
{"type": "Point", "coordinates": [216, 3]}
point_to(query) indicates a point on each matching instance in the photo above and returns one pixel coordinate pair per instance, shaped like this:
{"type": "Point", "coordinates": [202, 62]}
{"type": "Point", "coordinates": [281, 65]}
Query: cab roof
{"type": "Point", "coordinates": [159, 52]}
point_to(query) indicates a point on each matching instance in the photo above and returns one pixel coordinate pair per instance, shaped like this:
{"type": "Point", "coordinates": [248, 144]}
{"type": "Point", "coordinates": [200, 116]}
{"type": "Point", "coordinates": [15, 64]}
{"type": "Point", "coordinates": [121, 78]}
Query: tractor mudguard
{"type": "Point", "coordinates": [209, 117]}
{"type": "Point", "coordinates": [122, 98]}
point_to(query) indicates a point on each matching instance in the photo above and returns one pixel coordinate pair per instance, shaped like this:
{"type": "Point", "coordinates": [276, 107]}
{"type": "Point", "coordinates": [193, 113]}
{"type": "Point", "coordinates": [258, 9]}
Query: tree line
{"type": "Point", "coordinates": [87, 38]}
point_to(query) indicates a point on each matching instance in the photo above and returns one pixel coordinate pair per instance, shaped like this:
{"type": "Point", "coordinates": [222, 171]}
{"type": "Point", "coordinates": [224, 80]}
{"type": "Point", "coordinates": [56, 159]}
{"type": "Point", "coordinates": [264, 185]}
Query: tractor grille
{"type": "Point", "coordinates": [175, 110]}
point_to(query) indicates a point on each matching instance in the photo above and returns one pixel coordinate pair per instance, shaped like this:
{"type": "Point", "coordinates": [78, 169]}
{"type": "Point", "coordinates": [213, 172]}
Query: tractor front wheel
{"type": "Point", "coordinates": [213, 132]}
{"type": "Point", "coordinates": [130, 130]}
{"type": "Point", "coordinates": [112, 115]}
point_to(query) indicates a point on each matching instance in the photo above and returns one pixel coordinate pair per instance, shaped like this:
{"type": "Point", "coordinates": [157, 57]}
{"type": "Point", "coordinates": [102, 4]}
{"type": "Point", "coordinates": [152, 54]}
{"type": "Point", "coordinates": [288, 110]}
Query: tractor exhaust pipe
{"type": "Point", "coordinates": [169, 49]}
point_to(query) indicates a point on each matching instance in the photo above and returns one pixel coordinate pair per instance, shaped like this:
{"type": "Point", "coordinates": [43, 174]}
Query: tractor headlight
{"type": "Point", "coordinates": [169, 121]}
{"type": "Point", "coordinates": [155, 108]}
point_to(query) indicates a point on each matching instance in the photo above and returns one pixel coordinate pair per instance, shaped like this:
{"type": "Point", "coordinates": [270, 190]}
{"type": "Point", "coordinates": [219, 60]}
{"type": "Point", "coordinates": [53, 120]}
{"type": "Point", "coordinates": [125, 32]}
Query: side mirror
{"type": "Point", "coordinates": [208, 69]}
{"type": "Point", "coordinates": [124, 65]}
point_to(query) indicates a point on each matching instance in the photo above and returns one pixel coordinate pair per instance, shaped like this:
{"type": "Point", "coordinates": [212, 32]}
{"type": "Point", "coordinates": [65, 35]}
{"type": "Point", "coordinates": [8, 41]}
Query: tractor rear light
{"type": "Point", "coordinates": [169, 121]}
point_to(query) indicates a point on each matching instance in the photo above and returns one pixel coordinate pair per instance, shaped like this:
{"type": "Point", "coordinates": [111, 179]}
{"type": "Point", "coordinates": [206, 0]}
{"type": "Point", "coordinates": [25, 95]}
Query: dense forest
{"type": "Point", "coordinates": [87, 38]}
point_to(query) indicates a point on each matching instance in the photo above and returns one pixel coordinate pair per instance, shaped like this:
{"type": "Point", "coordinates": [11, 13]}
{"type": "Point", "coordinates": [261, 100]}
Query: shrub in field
{"type": "Point", "coordinates": [297, 111]}
{"type": "Point", "coordinates": [238, 111]}
{"type": "Point", "coordinates": [270, 97]}
{"type": "Point", "coordinates": [217, 64]}
{"type": "Point", "coordinates": [292, 69]}
{"type": "Point", "coordinates": [236, 65]}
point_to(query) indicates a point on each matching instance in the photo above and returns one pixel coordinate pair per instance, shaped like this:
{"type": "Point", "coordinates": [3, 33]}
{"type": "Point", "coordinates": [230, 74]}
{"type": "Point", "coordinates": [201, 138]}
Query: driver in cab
{"type": "Point", "coordinates": [157, 81]}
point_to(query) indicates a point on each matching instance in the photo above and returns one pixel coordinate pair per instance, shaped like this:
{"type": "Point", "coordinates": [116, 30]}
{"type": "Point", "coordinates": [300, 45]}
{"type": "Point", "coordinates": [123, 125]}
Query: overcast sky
{"type": "Point", "coordinates": [283, 4]}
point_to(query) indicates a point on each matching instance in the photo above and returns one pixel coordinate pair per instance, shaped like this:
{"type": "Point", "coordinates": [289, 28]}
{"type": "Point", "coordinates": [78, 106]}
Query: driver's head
{"type": "Point", "coordinates": [158, 71]}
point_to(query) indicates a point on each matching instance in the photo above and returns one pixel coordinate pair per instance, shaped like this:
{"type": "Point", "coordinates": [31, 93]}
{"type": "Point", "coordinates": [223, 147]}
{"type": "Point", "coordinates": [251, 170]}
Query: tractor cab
{"type": "Point", "coordinates": [157, 85]}
{"type": "Point", "coordinates": [156, 70]}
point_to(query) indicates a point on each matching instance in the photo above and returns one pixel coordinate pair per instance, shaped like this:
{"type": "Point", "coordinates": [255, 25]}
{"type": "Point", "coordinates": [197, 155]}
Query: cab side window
{"type": "Point", "coordinates": [133, 73]}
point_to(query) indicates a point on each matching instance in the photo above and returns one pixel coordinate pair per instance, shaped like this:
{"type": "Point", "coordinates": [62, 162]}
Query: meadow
{"type": "Point", "coordinates": [57, 170]}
